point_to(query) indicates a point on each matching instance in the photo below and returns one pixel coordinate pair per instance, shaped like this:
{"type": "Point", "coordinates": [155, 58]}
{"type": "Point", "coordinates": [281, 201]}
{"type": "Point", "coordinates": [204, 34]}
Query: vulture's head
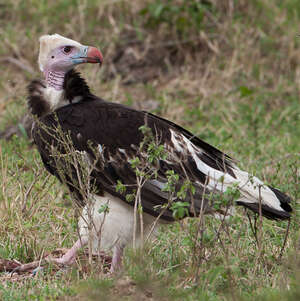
{"type": "Point", "coordinates": [60, 54]}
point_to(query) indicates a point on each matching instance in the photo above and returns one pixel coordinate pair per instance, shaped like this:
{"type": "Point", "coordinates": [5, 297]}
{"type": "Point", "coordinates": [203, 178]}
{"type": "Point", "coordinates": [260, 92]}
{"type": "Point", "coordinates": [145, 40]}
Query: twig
{"type": "Point", "coordinates": [282, 158]}
{"type": "Point", "coordinates": [285, 240]}
{"type": "Point", "coordinates": [253, 227]}
{"type": "Point", "coordinates": [19, 63]}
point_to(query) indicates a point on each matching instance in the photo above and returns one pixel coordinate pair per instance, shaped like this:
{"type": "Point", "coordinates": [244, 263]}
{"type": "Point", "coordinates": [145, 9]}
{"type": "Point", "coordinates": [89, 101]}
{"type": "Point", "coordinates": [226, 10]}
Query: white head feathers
{"type": "Point", "coordinates": [50, 42]}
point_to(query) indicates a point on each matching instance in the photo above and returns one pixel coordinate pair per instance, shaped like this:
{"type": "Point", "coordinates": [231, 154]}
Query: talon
{"type": "Point", "coordinates": [37, 270]}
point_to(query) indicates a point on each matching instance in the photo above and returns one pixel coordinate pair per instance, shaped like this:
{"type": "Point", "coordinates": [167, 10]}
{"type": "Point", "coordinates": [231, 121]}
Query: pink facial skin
{"type": "Point", "coordinates": [62, 59]}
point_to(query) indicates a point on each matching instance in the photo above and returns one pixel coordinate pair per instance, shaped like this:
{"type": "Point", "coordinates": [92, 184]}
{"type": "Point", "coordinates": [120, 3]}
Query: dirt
{"type": "Point", "coordinates": [136, 60]}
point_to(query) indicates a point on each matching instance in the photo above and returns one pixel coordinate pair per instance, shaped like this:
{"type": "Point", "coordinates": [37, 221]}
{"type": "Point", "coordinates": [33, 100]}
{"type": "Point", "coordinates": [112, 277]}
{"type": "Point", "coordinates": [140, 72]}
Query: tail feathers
{"type": "Point", "coordinates": [266, 210]}
{"type": "Point", "coordinates": [274, 203]}
{"type": "Point", "coordinates": [283, 198]}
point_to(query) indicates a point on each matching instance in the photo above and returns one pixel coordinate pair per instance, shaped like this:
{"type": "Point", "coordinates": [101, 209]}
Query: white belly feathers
{"type": "Point", "coordinates": [116, 226]}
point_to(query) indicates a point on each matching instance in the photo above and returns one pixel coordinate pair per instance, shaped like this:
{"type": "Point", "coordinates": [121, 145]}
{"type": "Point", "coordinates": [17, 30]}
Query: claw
{"type": "Point", "coordinates": [37, 270]}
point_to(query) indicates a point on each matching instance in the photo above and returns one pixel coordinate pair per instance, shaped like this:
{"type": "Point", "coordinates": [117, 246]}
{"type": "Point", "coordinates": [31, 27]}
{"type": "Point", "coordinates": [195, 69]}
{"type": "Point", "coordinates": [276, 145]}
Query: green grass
{"type": "Point", "coordinates": [229, 72]}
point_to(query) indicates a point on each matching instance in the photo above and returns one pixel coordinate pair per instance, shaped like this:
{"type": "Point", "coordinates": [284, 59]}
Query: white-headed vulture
{"type": "Point", "coordinates": [108, 136]}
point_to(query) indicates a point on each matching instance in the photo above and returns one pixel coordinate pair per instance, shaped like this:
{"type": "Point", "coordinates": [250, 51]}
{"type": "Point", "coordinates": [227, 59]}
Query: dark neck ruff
{"type": "Point", "coordinates": [74, 86]}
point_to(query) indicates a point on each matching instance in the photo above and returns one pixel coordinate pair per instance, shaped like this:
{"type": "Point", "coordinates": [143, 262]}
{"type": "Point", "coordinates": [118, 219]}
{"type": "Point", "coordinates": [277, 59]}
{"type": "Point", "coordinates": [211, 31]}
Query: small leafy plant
{"type": "Point", "coordinates": [183, 15]}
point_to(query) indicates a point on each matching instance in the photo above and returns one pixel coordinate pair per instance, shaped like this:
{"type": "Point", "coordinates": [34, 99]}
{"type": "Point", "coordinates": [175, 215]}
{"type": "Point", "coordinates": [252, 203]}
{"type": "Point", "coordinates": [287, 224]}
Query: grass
{"type": "Point", "coordinates": [229, 73]}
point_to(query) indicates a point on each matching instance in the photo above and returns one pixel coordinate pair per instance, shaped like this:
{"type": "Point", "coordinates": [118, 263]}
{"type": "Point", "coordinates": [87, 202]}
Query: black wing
{"type": "Point", "coordinates": [112, 130]}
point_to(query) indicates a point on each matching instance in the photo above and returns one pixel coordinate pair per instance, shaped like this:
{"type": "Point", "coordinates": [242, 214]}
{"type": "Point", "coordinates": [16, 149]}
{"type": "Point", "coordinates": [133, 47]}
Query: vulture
{"type": "Point", "coordinates": [108, 154]}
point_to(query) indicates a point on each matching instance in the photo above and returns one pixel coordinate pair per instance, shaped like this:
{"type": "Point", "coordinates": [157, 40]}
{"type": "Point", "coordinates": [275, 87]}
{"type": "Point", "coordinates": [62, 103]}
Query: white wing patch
{"type": "Point", "coordinates": [251, 188]}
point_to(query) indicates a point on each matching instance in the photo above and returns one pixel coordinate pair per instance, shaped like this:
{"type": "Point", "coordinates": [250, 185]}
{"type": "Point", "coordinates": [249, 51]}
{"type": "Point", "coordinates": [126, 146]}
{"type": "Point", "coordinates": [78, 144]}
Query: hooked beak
{"type": "Point", "coordinates": [88, 54]}
{"type": "Point", "coordinates": [94, 56]}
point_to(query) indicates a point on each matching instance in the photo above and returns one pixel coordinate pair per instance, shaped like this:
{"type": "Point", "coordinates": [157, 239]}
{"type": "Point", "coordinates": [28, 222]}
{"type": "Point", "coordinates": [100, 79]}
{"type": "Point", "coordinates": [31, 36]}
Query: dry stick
{"type": "Point", "coordinates": [260, 218]}
{"type": "Point", "coordinates": [31, 265]}
{"type": "Point", "coordinates": [157, 219]}
{"type": "Point", "coordinates": [141, 218]}
{"type": "Point", "coordinates": [252, 226]}
{"type": "Point", "coordinates": [84, 185]}
{"type": "Point", "coordinates": [26, 267]}
{"type": "Point", "coordinates": [135, 213]}
{"type": "Point", "coordinates": [20, 64]}
{"type": "Point", "coordinates": [285, 240]}
{"type": "Point", "coordinates": [223, 223]}
{"type": "Point", "coordinates": [71, 155]}
{"type": "Point", "coordinates": [27, 193]}
{"type": "Point", "coordinates": [170, 199]}
{"type": "Point", "coordinates": [39, 195]}
{"type": "Point", "coordinates": [90, 223]}
{"type": "Point", "coordinates": [255, 226]}
{"type": "Point", "coordinates": [191, 195]}
{"type": "Point", "coordinates": [231, 276]}
{"type": "Point", "coordinates": [138, 200]}
{"type": "Point", "coordinates": [4, 180]}
{"type": "Point", "coordinates": [280, 159]}
{"type": "Point", "coordinates": [99, 234]}
{"type": "Point", "coordinates": [200, 229]}
{"type": "Point", "coordinates": [90, 203]}
{"type": "Point", "coordinates": [194, 212]}
{"type": "Point", "coordinates": [260, 236]}
{"type": "Point", "coordinates": [89, 209]}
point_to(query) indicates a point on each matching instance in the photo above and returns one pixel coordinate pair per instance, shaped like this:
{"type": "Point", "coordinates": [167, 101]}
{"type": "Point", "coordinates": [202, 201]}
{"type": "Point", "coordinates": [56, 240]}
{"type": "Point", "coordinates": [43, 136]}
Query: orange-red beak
{"type": "Point", "coordinates": [94, 56]}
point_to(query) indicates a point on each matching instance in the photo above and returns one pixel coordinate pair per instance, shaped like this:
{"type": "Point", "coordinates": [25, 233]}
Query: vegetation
{"type": "Point", "coordinates": [226, 70]}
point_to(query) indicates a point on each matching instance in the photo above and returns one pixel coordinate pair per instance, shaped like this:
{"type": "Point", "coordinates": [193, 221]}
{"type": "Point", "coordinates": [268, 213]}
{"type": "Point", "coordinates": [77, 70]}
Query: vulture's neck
{"type": "Point", "coordinates": [55, 79]}
{"type": "Point", "coordinates": [56, 91]}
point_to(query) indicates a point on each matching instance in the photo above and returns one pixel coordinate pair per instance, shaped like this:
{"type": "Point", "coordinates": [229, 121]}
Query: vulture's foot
{"type": "Point", "coordinates": [69, 258]}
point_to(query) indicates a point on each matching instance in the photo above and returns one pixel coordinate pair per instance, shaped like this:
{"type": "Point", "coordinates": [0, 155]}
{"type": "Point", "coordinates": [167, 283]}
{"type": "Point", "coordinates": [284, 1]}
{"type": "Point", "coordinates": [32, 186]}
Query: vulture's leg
{"type": "Point", "coordinates": [69, 257]}
{"type": "Point", "coordinates": [117, 258]}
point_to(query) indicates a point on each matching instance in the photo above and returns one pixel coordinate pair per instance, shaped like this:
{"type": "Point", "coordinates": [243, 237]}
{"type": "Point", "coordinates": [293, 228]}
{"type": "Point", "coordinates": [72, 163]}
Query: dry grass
{"type": "Point", "coordinates": [233, 81]}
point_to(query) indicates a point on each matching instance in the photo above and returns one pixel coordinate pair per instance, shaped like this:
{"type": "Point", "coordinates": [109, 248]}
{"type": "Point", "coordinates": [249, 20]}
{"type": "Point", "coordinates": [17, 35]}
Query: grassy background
{"type": "Point", "coordinates": [226, 70]}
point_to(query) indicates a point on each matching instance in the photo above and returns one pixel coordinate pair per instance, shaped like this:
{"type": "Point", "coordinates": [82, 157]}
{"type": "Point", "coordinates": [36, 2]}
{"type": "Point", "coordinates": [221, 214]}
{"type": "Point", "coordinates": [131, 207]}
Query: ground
{"type": "Point", "coordinates": [229, 72]}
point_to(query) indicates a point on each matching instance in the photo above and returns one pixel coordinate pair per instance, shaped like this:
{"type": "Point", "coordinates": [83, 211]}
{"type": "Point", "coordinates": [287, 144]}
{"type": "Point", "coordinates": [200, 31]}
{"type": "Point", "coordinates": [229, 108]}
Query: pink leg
{"type": "Point", "coordinates": [69, 257]}
{"type": "Point", "coordinates": [117, 259]}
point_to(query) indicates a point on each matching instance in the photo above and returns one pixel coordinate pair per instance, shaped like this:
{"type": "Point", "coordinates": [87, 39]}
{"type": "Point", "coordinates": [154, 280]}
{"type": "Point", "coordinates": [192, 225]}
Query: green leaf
{"type": "Point", "coordinates": [103, 209]}
{"type": "Point", "coordinates": [180, 209]}
{"type": "Point", "coordinates": [120, 187]}
{"type": "Point", "coordinates": [245, 91]}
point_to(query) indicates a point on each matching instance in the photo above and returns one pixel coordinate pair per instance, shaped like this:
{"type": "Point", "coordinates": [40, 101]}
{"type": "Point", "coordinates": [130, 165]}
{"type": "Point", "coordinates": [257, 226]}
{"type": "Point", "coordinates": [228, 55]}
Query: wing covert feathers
{"type": "Point", "coordinates": [110, 134]}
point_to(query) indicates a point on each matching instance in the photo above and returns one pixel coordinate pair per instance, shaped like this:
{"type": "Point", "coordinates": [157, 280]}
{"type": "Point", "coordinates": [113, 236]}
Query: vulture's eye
{"type": "Point", "coordinates": [67, 49]}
